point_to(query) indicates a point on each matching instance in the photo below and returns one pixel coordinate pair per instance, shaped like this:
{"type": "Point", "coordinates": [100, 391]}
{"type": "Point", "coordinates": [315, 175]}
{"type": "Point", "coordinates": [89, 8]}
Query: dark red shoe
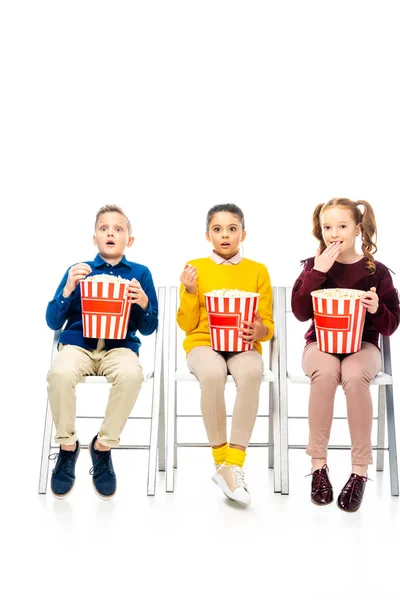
{"type": "Point", "coordinates": [351, 496]}
{"type": "Point", "coordinates": [321, 487]}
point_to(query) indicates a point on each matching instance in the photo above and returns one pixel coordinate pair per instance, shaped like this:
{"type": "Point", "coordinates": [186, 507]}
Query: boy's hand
{"type": "Point", "coordinates": [189, 279]}
{"type": "Point", "coordinates": [136, 294]}
{"type": "Point", "coordinates": [371, 301]}
{"type": "Point", "coordinates": [76, 274]}
{"type": "Point", "coordinates": [323, 262]}
{"type": "Point", "coordinates": [251, 332]}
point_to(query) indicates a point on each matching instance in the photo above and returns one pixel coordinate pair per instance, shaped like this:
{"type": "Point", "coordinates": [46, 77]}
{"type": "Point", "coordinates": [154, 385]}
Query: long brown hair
{"type": "Point", "coordinates": [365, 218]}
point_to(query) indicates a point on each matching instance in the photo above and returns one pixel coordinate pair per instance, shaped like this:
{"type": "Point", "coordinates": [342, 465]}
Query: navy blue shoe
{"type": "Point", "coordinates": [104, 479]}
{"type": "Point", "coordinates": [63, 477]}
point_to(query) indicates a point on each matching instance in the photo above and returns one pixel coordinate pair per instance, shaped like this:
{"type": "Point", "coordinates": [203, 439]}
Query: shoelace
{"type": "Point", "coordinates": [322, 478]}
{"type": "Point", "coordinates": [103, 463]}
{"type": "Point", "coordinates": [238, 474]}
{"type": "Point", "coordinates": [65, 462]}
{"type": "Point", "coordinates": [353, 483]}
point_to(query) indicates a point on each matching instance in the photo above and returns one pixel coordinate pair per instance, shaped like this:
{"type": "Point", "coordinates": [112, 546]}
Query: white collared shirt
{"type": "Point", "coordinates": [234, 260]}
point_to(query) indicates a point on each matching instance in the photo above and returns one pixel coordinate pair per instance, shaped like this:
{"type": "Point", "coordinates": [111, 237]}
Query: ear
{"type": "Point", "coordinates": [208, 237]}
{"type": "Point", "coordinates": [358, 229]}
{"type": "Point", "coordinates": [94, 239]}
{"type": "Point", "coordinates": [130, 241]}
{"type": "Point", "coordinates": [243, 236]}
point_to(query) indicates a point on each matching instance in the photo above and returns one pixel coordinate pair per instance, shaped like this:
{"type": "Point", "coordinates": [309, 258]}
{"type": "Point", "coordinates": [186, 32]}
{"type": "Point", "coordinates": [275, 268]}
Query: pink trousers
{"type": "Point", "coordinates": [354, 372]}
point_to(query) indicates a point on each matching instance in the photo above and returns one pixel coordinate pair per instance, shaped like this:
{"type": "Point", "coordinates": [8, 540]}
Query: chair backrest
{"type": "Point", "coordinates": [285, 309]}
{"type": "Point", "coordinates": [157, 343]}
{"type": "Point", "coordinates": [174, 333]}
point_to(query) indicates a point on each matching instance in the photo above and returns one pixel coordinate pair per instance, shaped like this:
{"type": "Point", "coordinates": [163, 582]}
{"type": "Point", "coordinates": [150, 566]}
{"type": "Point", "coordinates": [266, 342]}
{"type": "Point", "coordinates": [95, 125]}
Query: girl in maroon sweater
{"type": "Point", "coordinates": [337, 264]}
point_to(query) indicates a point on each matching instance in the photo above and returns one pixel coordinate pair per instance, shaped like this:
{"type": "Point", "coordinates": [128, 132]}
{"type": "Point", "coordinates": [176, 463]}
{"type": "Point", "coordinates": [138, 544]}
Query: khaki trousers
{"type": "Point", "coordinates": [122, 368]}
{"type": "Point", "coordinates": [354, 372]}
{"type": "Point", "coordinates": [211, 368]}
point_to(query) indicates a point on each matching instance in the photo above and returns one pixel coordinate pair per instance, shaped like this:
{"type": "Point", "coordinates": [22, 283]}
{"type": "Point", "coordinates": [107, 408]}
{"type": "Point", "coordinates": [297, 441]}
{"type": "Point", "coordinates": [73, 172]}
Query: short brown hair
{"type": "Point", "coordinates": [113, 208]}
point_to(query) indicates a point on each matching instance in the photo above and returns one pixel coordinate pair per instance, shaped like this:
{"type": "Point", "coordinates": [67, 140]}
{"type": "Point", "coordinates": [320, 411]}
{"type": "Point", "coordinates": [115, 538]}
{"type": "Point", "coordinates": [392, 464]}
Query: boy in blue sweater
{"type": "Point", "coordinates": [117, 359]}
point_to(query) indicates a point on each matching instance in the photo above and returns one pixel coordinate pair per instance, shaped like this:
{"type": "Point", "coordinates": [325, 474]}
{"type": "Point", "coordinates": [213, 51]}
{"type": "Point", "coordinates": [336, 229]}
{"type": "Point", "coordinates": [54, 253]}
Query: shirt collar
{"type": "Point", "coordinates": [234, 260]}
{"type": "Point", "coordinates": [99, 261]}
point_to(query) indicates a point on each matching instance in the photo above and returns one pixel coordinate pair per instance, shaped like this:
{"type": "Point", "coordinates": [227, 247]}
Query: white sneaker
{"type": "Point", "coordinates": [231, 481]}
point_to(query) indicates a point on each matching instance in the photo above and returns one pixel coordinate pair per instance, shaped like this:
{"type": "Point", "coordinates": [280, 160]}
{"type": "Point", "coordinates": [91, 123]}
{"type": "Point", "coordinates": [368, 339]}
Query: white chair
{"type": "Point", "coordinates": [157, 426]}
{"type": "Point", "coordinates": [175, 376]}
{"type": "Point", "coordinates": [383, 379]}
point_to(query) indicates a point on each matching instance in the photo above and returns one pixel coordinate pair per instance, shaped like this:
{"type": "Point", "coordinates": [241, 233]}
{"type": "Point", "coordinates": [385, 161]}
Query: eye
{"type": "Point", "coordinates": [343, 226]}
{"type": "Point", "coordinates": [232, 228]}
{"type": "Point", "coordinates": [103, 228]}
{"type": "Point", "coordinates": [119, 229]}
{"type": "Point", "coordinates": [326, 227]}
{"type": "Point", "coordinates": [217, 229]}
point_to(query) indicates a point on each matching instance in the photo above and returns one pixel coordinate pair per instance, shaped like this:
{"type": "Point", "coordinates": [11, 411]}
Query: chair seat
{"type": "Point", "coordinates": [380, 379]}
{"type": "Point", "coordinates": [187, 376]}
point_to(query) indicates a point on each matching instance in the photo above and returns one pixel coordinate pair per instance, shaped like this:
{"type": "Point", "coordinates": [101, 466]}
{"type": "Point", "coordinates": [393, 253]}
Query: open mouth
{"type": "Point", "coordinates": [110, 244]}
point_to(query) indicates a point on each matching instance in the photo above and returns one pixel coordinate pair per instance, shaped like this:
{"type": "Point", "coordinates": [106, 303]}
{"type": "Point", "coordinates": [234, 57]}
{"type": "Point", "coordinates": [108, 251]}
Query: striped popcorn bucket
{"type": "Point", "coordinates": [105, 309]}
{"type": "Point", "coordinates": [224, 318]}
{"type": "Point", "coordinates": [339, 322]}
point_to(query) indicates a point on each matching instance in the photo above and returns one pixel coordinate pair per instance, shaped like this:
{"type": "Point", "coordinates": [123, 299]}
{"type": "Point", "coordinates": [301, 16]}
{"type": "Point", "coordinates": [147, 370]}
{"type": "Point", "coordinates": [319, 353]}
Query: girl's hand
{"type": "Point", "coordinates": [371, 301]}
{"type": "Point", "coordinates": [136, 294]}
{"type": "Point", "coordinates": [251, 332]}
{"type": "Point", "coordinates": [76, 274]}
{"type": "Point", "coordinates": [189, 279]}
{"type": "Point", "coordinates": [323, 262]}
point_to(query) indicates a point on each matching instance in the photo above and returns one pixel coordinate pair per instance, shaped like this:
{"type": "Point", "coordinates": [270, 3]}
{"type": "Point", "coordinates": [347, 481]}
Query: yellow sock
{"type": "Point", "coordinates": [219, 454]}
{"type": "Point", "coordinates": [235, 456]}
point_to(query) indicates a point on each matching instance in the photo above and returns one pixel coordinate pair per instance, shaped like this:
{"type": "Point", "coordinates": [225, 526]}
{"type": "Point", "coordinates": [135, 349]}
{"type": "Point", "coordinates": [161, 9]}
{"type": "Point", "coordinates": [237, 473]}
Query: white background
{"type": "Point", "coordinates": [167, 108]}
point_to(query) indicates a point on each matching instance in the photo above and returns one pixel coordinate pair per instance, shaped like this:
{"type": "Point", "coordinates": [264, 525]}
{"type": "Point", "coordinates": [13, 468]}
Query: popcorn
{"type": "Point", "coordinates": [107, 278]}
{"type": "Point", "coordinates": [339, 293]}
{"type": "Point", "coordinates": [224, 293]}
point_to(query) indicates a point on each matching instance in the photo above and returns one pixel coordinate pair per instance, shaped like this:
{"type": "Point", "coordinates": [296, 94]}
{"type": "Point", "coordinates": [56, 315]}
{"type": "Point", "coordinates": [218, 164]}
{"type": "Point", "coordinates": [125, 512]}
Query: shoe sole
{"type": "Point", "coordinates": [62, 496]}
{"type": "Point", "coordinates": [220, 482]}
{"type": "Point", "coordinates": [347, 510]}
{"type": "Point", "coordinates": [94, 487]}
{"type": "Point", "coordinates": [322, 504]}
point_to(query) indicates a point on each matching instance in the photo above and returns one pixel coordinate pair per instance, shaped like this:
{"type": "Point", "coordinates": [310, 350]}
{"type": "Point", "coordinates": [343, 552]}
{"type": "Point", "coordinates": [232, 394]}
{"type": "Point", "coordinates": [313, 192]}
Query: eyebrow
{"type": "Point", "coordinates": [230, 225]}
{"type": "Point", "coordinates": [340, 223]}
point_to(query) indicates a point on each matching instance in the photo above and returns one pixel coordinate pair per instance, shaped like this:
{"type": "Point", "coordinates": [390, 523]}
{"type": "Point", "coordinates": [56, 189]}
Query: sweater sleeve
{"type": "Point", "coordinates": [188, 314]}
{"type": "Point", "coordinates": [147, 321]}
{"type": "Point", "coordinates": [309, 281]}
{"type": "Point", "coordinates": [265, 303]}
{"type": "Point", "coordinates": [387, 317]}
{"type": "Point", "coordinates": [58, 309]}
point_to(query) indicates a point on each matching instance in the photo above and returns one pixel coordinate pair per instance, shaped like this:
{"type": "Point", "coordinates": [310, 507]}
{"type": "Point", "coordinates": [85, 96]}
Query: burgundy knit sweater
{"type": "Point", "coordinates": [355, 276]}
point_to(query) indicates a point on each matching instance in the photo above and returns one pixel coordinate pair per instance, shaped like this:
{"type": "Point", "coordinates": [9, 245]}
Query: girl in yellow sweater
{"type": "Point", "coordinates": [226, 268]}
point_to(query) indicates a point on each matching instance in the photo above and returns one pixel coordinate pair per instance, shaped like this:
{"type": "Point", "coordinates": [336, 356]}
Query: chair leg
{"type": "Point", "coordinates": [171, 436]}
{"type": "Point", "coordinates": [380, 454]}
{"type": "Point", "coordinates": [271, 439]}
{"type": "Point", "coordinates": [153, 446]}
{"type": "Point", "coordinates": [176, 427]}
{"type": "Point", "coordinates": [394, 474]}
{"type": "Point", "coordinates": [44, 464]}
{"type": "Point", "coordinates": [161, 429]}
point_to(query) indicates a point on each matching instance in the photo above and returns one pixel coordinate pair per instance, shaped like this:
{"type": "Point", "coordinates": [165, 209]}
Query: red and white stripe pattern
{"type": "Point", "coordinates": [339, 324]}
{"type": "Point", "coordinates": [105, 309]}
{"type": "Point", "coordinates": [225, 315]}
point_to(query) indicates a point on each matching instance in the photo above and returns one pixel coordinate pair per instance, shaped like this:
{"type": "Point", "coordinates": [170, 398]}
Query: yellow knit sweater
{"type": "Point", "coordinates": [247, 275]}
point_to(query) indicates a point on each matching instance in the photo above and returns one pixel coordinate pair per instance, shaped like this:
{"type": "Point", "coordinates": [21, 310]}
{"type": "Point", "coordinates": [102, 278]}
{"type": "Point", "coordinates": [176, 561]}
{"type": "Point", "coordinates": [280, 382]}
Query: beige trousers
{"type": "Point", "coordinates": [122, 368]}
{"type": "Point", "coordinates": [354, 372]}
{"type": "Point", "coordinates": [211, 368]}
